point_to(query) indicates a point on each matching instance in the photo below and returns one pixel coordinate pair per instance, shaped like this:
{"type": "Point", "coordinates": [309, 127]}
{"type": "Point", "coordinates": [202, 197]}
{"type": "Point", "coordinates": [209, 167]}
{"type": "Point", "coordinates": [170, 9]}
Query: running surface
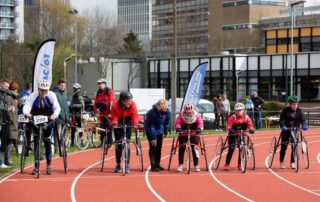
{"type": "Point", "coordinates": [85, 182]}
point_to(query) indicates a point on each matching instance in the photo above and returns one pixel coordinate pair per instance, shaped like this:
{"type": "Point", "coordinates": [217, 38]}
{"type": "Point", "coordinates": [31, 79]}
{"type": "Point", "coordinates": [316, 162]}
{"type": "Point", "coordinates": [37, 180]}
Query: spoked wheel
{"type": "Point", "coordinates": [218, 153]}
{"type": "Point", "coordinates": [296, 157]}
{"type": "Point", "coordinates": [64, 154]}
{"type": "Point", "coordinates": [205, 153]}
{"type": "Point", "coordinates": [68, 137]}
{"type": "Point", "coordinates": [82, 139]}
{"type": "Point", "coordinates": [304, 152]}
{"type": "Point", "coordinates": [243, 159]}
{"type": "Point", "coordinates": [23, 153]}
{"type": "Point", "coordinates": [139, 153]}
{"type": "Point", "coordinates": [124, 158]}
{"type": "Point", "coordinates": [188, 150]}
{"type": "Point", "coordinates": [172, 151]}
{"type": "Point", "coordinates": [95, 139]}
{"type": "Point", "coordinates": [103, 151]}
{"type": "Point", "coordinates": [250, 155]}
{"type": "Point", "coordinates": [272, 152]}
{"type": "Point", "coordinates": [21, 142]}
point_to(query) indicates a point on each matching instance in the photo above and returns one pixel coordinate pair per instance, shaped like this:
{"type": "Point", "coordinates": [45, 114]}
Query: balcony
{"type": "Point", "coordinates": [7, 25]}
{"type": "Point", "coordinates": [9, 14]}
{"type": "Point", "coordinates": [8, 3]}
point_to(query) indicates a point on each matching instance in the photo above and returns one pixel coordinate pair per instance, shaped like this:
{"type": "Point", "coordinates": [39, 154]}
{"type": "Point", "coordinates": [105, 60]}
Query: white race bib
{"type": "Point", "coordinates": [40, 119]}
{"type": "Point", "coordinates": [22, 119]}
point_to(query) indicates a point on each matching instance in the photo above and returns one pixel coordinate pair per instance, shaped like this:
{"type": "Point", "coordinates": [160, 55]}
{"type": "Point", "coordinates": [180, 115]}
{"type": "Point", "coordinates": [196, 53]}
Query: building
{"type": "Point", "coordinates": [11, 20]}
{"type": "Point", "coordinates": [277, 34]}
{"type": "Point", "coordinates": [135, 15]}
{"type": "Point", "coordinates": [234, 25]}
{"type": "Point", "coordinates": [192, 27]}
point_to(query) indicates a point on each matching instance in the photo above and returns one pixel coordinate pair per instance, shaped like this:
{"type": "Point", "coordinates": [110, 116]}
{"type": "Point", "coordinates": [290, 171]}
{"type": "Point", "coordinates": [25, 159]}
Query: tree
{"type": "Point", "coordinates": [131, 48]}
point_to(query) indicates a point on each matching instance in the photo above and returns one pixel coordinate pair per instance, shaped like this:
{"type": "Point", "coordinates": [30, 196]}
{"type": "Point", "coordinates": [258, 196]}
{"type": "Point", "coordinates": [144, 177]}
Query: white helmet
{"type": "Point", "coordinates": [44, 85]}
{"type": "Point", "coordinates": [101, 81]}
{"type": "Point", "coordinates": [76, 86]}
{"type": "Point", "coordinates": [239, 106]}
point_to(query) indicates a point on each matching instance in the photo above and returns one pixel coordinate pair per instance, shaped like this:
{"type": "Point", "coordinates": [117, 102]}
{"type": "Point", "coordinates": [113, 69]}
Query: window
{"type": "Point", "coordinates": [271, 41]}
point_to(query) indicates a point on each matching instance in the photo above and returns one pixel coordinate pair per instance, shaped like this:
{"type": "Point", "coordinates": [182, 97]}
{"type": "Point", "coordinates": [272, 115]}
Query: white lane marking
{"type": "Point", "coordinates": [318, 158]}
{"type": "Point", "coordinates": [73, 186]}
{"type": "Point", "coordinates": [225, 186]}
{"type": "Point", "coordinates": [287, 181]}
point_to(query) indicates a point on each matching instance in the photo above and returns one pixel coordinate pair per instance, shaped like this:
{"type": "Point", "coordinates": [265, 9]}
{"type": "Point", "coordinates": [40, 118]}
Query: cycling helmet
{"type": "Point", "coordinates": [44, 85]}
{"type": "Point", "coordinates": [101, 81]}
{"type": "Point", "coordinates": [293, 99]}
{"type": "Point", "coordinates": [76, 86]}
{"type": "Point", "coordinates": [125, 96]}
{"type": "Point", "coordinates": [189, 113]}
{"type": "Point", "coordinates": [239, 106]}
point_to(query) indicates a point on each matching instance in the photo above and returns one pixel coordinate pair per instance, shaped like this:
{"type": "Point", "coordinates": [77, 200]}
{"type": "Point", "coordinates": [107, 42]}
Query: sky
{"type": "Point", "coordinates": [81, 5]}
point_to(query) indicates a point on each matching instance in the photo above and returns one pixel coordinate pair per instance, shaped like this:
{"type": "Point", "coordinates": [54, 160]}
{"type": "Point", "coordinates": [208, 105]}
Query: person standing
{"type": "Point", "coordinates": [156, 127]}
{"type": "Point", "coordinates": [217, 111]}
{"type": "Point", "coordinates": [102, 104]}
{"type": "Point", "coordinates": [225, 109]}
{"type": "Point", "coordinates": [257, 103]}
{"type": "Point", "coordinates": [249, 107]}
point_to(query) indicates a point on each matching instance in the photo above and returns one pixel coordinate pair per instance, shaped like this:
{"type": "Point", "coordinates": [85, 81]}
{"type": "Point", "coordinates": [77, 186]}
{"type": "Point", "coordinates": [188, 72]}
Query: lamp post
{"type": "Point", "coordinates": [292, 5]}
{"type": "Point", "coordinates": [173, 66]}
{"type": "Point", "coordinates": [65, 65]}
{"type": "Point", "coordinates": [237, 83]}
{"type": "Point", "coordinates": [75, 12]}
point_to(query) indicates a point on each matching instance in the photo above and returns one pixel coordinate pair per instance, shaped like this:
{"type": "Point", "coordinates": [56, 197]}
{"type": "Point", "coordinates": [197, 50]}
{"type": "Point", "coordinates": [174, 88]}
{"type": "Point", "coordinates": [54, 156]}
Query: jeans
{"type": "Point", "coordinates": [257, 120]}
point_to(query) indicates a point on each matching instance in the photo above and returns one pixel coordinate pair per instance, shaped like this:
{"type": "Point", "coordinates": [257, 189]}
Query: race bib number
{"type": "Point", "coordinates": [22, 119]}
{"type": "Point", "coordinates": [40, 119]}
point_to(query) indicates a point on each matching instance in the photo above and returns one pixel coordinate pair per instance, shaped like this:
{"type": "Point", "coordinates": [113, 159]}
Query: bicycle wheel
{"type": "Point", "coordinates": [139, 153]}
{"type": "Point", "coordinates": [21, 141]}
{"type": "Point", "coordinates": [103, 152]}
{"type": "Point", "coordinates": [205, 153]}
{"type": "Point", "coordinates": [95, 139]}
{"type": "Point", "coordinates": [218, 153]}
{"type": "Point", "coordinates": [38, 153]}
{"type": "Point", "coordinates": [172, 151]}
{"type": "Point", "coordinates": [243, 159]}
{"type": "Point", "coordinates": [68, 137]}
{"type": "Point", "coordinates": [188, 150]}
{"type": "Point", "coordinates": [23, 155]}
{"type": "Point", "coordinates": [272, 152]}
{"type": "Point", "coordinates": [82, 139]}
{"type": "Point", "coordinates": [304, 152]}
{"type": "Point", "coordinates": [124, 158]}
{"type": "Point", "coordinates": [296, 157]}
{"type": "Point", "coordinates": [250, 155]}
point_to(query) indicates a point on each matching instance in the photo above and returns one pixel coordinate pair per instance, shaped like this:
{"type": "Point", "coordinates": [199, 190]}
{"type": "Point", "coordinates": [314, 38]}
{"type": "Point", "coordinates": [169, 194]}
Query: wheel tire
{"type": "Point", "coordinates": [103, 151]}
{"type": "Point", "coordinates": [139, 151]}
{"type": "Point", "coordinates": [272, 151]}
{"type": "Point", "coordinates": [205, 153]}
{"type": "Point", "coordinates": [23, 156]}
{"type": "Point", "coordinates": [21, 141]}
{"type": "Point", "coordinates": [304, 152]}
{"type": "Point", "coordinates": [82, 139]}
{"type": "Point", "coordinates": [95, 138]}
{"type": "Point", "coordinates": [250, 155]}
{"type": "Point", "coordinates": [296, 157]}
{"type": "Point", "coordinates": [218, 153]}
{"type": "Point", "coordinates": [243, 159]}
{"type": "Point", "coordinates": [172, 150]}
{"type": "Point", "coordinates": [188, 150]}
{"type": "Point", "coordinates": [124, 159]}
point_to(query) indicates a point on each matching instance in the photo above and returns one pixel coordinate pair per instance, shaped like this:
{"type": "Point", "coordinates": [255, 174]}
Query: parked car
{"type": "Point", "coordinates": [204, 107]}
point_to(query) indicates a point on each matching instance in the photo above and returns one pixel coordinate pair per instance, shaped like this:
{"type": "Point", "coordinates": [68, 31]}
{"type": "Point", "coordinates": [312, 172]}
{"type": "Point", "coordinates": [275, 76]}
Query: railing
{"type": "Point", "coordinates": [8, 2]}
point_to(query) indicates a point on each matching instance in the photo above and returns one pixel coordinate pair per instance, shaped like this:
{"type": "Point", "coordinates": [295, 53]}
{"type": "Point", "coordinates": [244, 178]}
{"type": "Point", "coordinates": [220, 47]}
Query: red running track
{"type": "Point", "coordinates": [85, 182]}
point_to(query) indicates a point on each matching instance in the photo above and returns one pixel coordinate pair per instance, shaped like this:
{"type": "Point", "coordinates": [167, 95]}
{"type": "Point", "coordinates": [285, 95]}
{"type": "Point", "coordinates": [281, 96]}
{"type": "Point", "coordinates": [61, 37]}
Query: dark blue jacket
{"type": "Point", "coordinates": [156, 123]}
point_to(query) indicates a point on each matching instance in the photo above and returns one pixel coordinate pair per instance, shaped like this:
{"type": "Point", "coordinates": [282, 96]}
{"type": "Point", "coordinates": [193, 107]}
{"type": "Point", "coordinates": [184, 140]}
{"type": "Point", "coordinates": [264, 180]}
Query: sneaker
{"type": "Point", "coordinates": [197, 168]}
{"type": "Point", "coordinates": [4, 166]}
{"type": "Point", "coordinates": [128, 169]}
{"type": "Point", "coordinates": [155, 169]}
{"type": "Point", "coordinates": [226, 167]}
{"type": "Point", "coordinates": [282, 166]}
{"type": "Point", "coordinates": [180, 168]}
{"type": "Point", "coordinates": [117, 168]}
{"type": "Point", "coordinates": [293, 165]}
{"type": "Point", "coordinates": [48, 170]}
{"type": "Point", "coordinates": [160, 168]}
{"type": "Point", "coordinates": [35, 171]}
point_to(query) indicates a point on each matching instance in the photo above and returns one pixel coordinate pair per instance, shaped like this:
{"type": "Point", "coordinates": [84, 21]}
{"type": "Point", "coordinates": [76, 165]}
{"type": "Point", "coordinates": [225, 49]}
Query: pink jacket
{"type": "Point", "coordinates": [180, 123]}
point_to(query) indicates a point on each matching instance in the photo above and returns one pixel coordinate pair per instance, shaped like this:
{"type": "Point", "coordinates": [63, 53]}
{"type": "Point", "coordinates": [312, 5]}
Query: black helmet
{"type": "Point", "coordinates": [125, 96]}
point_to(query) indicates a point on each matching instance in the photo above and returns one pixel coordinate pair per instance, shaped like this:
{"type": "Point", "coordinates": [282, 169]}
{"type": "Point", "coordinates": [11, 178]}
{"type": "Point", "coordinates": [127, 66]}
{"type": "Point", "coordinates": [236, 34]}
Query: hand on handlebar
{"type": "Point", "coordinates": [198, 131]}
{"type": "Point", "coordinates": [178, 130]}
{"type": "Point", "coordinates": [251, 131]}
{"type": "Point", "coordinates": [284, 128]}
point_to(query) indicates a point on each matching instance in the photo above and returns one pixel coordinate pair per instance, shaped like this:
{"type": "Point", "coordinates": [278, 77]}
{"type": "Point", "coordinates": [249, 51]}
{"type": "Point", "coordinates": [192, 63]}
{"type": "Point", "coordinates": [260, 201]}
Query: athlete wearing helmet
{"type": "Point", "coordinates": [44, 103]}
{"type": "Point", "coordinates": [290, 116]}
{"type": "Point", "coordinates": [124, 111]}
{"type": "Point", "coordinates": [239, 120]}
{"type": "Point", "coordinates": [102, 105]}
{"type": "Point", "coordinates": [189, 118]}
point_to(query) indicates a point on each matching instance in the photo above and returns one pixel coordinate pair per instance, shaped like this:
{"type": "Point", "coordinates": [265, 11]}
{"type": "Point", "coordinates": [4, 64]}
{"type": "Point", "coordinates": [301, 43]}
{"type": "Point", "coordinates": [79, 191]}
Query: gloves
{"type": "Point", "coordinates": [179, 130]}
{"type": "Point", "coordinates": [231, 131]}
{"type": "Point", "coordinates": [284, 128]}
{"type": "Point", "coordinates": [198, 131]}
{"type": "Point", "coordinates": [305, 127]}
{"type": "Point", "coordinates": [251, 131]}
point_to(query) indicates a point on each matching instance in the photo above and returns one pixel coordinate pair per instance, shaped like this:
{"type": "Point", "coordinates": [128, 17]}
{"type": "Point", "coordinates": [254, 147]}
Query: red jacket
{"type": "Point", "coordinates": [129, 115]}
{"type": "Point", "coordinates": [239, 120]}
{"type": "Point", "coordinates": [104, 96]}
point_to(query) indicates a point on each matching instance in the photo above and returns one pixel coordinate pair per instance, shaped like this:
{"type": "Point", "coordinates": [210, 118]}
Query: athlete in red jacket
{"type": "Point", "coordinates": [124, 112]}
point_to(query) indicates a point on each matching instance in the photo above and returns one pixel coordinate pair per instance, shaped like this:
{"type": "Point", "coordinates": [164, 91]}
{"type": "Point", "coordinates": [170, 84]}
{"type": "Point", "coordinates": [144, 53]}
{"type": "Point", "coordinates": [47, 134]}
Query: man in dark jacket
{"type": "Point", "coordinates": [156, 127]}
{"type": "Point", "coordinates": [64, 116]}
{"type": "Point", "coordinates": [257, 103]}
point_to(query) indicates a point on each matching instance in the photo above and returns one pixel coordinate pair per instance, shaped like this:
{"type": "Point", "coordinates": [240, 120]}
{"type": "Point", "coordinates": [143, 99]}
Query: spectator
{"type": "Point", "coordinates": [249, 107]}
{"type": "Point", "coordinates": [225, 109]}
{"type": "Point", "coordinates": [217, 111]}
{"type": "Point", "coordinates": [257, 103]}
{"type": "Point", "coordinates": [156, 127]}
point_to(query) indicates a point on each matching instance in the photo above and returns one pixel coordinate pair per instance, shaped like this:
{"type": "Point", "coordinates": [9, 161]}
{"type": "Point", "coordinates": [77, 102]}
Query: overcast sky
{"type": "Point", "coordinates": [81, 5]}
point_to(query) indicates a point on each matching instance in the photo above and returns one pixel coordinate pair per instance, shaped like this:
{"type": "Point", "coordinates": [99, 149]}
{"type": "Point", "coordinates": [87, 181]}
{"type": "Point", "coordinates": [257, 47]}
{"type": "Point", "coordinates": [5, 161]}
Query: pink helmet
{"type": "Point", "coordinates": [188, 109]}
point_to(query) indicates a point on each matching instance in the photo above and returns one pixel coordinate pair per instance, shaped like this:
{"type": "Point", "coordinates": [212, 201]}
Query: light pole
{"type": "Point", "coordinates": [65, 65]}
{"type": "Point", "coordinates": [292, 5]}
{"type": "Point", "coordinates": [237, 83]}
{"type": "Point", "coordinates": [173, 66]}
{"type": "Point", "coordinates": [75, 12]}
